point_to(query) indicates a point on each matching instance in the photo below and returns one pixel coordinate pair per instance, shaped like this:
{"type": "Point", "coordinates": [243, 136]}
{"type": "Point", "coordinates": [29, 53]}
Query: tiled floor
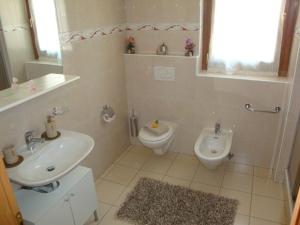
{"type": "Point", "coordinates": [261, 200]}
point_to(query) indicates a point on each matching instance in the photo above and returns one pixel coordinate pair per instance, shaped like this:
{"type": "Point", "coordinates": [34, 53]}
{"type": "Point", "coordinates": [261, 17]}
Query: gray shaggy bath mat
{"type": "Point", "coordinates": [154, 202]}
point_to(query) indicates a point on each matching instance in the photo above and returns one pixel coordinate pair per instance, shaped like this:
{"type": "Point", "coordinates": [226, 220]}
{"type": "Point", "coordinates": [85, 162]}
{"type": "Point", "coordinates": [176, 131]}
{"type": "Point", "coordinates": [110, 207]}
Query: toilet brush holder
{"type": "Point", "coordinates": [133, 125]}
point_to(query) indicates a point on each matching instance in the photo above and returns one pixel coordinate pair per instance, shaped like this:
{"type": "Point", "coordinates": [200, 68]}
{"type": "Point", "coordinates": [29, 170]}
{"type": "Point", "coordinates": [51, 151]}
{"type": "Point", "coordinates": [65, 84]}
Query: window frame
{"type": "Point", "coordinates": [38, 53]}
{"type": "Point", "coordinates": [32, 31]}
{"type": "Point", "coordinates": [289, 25]}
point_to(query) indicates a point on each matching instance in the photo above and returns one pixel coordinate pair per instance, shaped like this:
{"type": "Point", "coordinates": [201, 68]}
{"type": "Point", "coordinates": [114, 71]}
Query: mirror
{"type": "Point", "coordinates": [29, 41]}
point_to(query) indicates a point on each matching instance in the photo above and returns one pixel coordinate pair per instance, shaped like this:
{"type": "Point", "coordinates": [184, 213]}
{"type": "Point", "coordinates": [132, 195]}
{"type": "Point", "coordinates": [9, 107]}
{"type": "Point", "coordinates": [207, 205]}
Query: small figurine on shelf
{"type": "Point", "coordinates": [189, 47]}
{"type": "Point", "coordinates": [130, 48]}
{"type": "Point", "coordinates": [162, 49]}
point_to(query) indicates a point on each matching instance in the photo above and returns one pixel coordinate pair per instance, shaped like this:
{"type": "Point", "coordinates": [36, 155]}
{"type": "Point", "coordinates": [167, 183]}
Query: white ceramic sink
{"type": "Point", "coordinates": [62, 154]}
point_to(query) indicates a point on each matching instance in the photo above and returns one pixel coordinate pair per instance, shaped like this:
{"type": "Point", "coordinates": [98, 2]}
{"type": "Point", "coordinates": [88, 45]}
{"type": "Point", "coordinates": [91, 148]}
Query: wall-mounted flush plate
{"type": "Point", "coordinates": [164, 73]}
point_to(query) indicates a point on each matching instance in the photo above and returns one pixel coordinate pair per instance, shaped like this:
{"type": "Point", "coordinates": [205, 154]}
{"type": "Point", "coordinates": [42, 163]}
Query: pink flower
{"type": "Point", "coordinates": [189, 45]}
{"type": "Point", "coordinates": [130, 40]}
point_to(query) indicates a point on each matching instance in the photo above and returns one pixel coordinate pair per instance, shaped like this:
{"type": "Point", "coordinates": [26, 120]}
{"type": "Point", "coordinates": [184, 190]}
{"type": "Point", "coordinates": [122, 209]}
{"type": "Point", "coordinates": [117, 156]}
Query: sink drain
{"type": "Point", "coordinates": [50, 168]}
{"type": "Point", "coordinates": [214, 151]}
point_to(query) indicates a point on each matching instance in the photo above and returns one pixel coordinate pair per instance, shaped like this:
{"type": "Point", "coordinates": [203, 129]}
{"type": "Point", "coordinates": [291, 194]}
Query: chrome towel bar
{"type": "Point", "coordinates": [248, 107]}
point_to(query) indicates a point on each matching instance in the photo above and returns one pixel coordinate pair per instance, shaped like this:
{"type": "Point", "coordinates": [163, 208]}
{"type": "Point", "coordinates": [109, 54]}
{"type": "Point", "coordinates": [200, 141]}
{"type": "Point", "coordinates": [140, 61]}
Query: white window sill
{"type": "Point", "coordinates": [274, 79]}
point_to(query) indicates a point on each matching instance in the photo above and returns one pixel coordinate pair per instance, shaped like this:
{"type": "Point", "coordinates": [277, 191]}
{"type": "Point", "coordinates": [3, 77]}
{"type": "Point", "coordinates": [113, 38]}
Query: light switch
{"type": "Point", "coordinates": [164, 73]}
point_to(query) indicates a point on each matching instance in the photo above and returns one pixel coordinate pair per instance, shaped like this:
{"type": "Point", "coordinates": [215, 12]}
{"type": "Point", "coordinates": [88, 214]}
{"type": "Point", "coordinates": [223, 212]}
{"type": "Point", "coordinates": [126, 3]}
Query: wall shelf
{"type": "Point", "coordinates": [160, 56]}
{"type": "Point", "coordinates": [24, 92]}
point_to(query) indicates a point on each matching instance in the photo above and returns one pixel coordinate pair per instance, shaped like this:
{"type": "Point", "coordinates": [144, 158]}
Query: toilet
{"type": "Point", "coordinates": [212, 147]}
{"type": "Point", "coordinates": [159, 143]}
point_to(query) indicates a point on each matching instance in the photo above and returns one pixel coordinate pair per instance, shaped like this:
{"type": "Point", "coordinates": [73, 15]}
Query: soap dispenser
{"type": "Point", "coordinates": [51, 129]}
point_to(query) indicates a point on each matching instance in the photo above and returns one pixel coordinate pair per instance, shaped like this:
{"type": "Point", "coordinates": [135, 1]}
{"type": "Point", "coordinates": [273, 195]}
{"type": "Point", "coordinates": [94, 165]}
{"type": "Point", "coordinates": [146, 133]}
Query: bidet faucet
{"type": "Point", "coordinates": [217, 128]}
{"type": "Point", "coordinates": [31, 141]}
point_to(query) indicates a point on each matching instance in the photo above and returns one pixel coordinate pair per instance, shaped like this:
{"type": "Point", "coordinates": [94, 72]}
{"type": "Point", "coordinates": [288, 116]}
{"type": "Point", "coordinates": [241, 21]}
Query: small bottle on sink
{"type": "Point", "coordinates": [51, 129]}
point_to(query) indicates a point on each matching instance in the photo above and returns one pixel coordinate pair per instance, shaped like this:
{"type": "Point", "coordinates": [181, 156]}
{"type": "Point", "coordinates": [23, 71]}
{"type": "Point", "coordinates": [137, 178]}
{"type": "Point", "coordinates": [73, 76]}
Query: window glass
{"type": "Point", "coordinates": [246, 36]}
{"type": "Point", "coordinates": [45, 22]}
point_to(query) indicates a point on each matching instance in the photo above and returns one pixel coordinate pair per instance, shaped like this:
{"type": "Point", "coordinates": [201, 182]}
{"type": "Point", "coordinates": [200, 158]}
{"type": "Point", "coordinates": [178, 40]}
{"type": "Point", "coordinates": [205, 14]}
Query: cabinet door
{"type": "Point", "coordinates": [83, 199]}
{"type": "Point", "coordinates": [61, 214]}
{"type": "Point", "coordinates": [9, 210]}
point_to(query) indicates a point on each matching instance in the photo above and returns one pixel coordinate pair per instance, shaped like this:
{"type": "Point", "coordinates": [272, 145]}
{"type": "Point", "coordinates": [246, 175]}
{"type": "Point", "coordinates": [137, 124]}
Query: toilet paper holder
{"type": "Point", "coordinates": [108, 114]}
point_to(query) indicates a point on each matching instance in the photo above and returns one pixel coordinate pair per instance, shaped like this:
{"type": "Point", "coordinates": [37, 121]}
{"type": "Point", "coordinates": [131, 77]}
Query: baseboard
{"type": "Point", "coordinates": [288, 192]}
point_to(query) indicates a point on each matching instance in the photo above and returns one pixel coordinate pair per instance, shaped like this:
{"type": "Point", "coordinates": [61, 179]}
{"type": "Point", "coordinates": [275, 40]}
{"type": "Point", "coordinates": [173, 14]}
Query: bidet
{"type": "Point", "coordinates": [213, 147]}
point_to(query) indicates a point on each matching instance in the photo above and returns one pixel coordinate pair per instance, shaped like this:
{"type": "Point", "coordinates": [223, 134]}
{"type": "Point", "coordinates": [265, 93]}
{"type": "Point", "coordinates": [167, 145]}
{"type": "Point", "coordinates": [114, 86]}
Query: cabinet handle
{"type": "Point", "coordinates": [72, 194]}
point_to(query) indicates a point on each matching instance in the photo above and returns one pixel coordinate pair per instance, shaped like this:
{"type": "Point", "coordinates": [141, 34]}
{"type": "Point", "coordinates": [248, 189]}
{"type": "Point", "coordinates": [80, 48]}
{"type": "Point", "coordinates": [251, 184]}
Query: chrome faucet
{"type": "Point", "coordinates": [217, 128]}
{"type": "Point", "coordinates": [31, 141]}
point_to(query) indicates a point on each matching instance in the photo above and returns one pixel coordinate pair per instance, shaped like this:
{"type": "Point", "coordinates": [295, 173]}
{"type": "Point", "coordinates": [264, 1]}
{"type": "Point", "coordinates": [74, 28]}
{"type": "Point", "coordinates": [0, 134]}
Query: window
{"type": "Point", "coordinates": [246, 36]}
{"type": "Point", "coordinates": [44, 29]}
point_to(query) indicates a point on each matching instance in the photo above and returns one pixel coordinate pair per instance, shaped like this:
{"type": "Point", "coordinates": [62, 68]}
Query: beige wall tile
{"type": "Point", "coordinates": [84, 15]}
{"type": "Point", "coordinates": [197, 102]}
{"type": "Point", "coordinates": [102, 82]}
{"type": "Point", "coordinates": [162, 11]}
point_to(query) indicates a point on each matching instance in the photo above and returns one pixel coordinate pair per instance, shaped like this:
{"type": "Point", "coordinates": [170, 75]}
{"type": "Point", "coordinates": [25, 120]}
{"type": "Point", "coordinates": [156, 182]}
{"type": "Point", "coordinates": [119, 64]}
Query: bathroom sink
{"type": "Point", "coordinates": [51, 160]}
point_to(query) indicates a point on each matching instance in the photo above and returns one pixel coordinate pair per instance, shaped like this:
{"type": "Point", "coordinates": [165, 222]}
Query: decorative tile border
{"type": "Point", "coordinates": [163, 27]}
{"type": "Point", "coordinates": [68, 37]}
{"type": "Point", "coordinates": [21, 27]}
{"type": "Point", "coordinates": [74, 36]}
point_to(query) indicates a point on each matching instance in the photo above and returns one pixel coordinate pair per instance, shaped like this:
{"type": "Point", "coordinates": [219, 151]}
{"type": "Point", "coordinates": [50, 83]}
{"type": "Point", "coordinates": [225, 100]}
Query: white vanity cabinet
{"type": "Point", "coordinates": [73, 202]}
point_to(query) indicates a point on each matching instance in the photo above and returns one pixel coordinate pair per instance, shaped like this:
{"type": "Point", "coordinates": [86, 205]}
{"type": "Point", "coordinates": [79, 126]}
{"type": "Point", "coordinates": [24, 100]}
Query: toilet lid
{"type": "Point", "coordinates": [149, 136]}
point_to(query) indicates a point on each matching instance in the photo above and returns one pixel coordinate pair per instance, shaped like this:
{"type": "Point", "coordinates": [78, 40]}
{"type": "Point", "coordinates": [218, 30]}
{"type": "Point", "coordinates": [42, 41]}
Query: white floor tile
{"type": "Point", "coordinates": [262, 172]}
{"type": "Point", "coordinates": [148, 174]}
{"type": "Point", "coordinates": [110, 218]}
{"type": "Point", "coordinates": [109, 192]}
{"type": "Point", "coordinates": [256, 221]}
{"type": "Point", "coordinates": [243, 198]}
{"type": "Point", "coordinates": [241, 220]}
{"type": "Point", "coordinates": [123, 196]}
{"type": "Point", "coordinates": [238, 181]}
{"type": "Point", "coordinates": [267, 187]}
{"type": "Point", "coordinates": [140, 149]}
{"type": "Point", "coordinates": [121, 175]}
{"type": "Point", "coordinates": [133, 159]}
{"type": "Point", "coordinates": [101, 210]}
{"type": "Point", "coordinates": [268, 209]}
{"type": "Point", "coordinates": [239, 168]}
{"type": "Point", "coordinates": [232, 180]}
{"type": "Point", "coordinates": [205, 188]}
{"type": "Point", "coordinates": [157, 165]}
{"type": "Point", "coordinates": [183, 169]}
{"type": "Point", "coordinates": [211, 177]}
{"type": "Point", "coordinates": [187, 158]}
{"type": "Point", "coordinates": [167, 155]}
{"type": "Point", "coordinates": [176, 181]}
{"type": "Point", "coordinates": [107, 171]}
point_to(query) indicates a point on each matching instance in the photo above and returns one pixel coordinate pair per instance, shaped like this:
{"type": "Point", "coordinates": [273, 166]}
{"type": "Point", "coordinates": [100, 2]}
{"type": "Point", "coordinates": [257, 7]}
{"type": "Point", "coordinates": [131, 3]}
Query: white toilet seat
{"type": "Point", "coordinates": [146, 135]}
{"type": "Point", "coordinates": [159, 143]}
